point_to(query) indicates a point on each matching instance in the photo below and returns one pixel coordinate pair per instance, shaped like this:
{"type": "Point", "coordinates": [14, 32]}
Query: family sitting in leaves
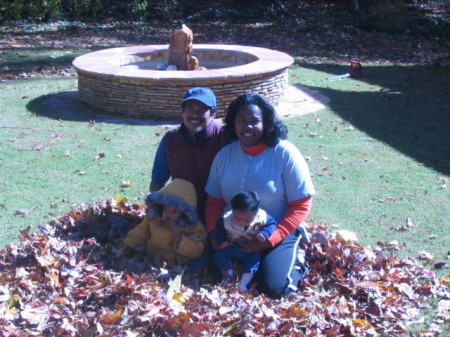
{"type": "Point", "coordinates": [238, 193]}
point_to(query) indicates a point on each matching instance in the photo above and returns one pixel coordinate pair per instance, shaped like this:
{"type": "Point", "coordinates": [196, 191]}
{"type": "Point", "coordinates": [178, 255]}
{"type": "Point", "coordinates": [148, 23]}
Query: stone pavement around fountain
{"type": "Point", "coordinates": [298, 100]}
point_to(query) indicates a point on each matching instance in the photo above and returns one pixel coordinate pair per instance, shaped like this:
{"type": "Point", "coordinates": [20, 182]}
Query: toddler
{"type": "Point", "coordinates": [246, 219]}
{"type": "Point", "coordinates": [171, 229]}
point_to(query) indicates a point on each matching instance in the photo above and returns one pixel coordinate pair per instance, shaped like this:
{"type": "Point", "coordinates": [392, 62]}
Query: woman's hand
{"type": "Point", "coordinates": [253, 246]}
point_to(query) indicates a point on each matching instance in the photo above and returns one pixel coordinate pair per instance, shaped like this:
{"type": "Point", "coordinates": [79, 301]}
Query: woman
{"type": "Point", "coordinates": [262, 160]}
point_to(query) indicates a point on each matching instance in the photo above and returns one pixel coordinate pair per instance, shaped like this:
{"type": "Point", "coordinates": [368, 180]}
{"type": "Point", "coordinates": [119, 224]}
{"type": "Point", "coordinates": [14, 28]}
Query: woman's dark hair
{"type": "Point", "coordinates": [246, 201]}
{"type": "Point", "coordinates": [274, 129]}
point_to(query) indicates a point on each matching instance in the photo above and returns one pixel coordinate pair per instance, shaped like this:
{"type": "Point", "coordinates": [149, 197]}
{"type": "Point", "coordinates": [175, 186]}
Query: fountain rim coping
{"type": "Point", "coordinates": [99, 63]}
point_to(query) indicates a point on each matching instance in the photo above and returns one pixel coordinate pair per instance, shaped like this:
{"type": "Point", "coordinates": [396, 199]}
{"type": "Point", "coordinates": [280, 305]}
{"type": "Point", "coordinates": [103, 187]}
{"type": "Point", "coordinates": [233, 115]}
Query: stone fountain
{"type": "Point", "coordinates": [127, 80]}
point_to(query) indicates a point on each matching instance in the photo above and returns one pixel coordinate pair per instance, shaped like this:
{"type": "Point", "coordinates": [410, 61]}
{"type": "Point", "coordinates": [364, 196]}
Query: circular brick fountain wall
{"type": "Point", "coordinates": [125, 80]}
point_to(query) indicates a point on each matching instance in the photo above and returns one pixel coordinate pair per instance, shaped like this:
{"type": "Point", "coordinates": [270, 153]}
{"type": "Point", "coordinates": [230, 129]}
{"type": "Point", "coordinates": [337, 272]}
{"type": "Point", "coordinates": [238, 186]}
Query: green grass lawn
{"type": "Point", "coordinates": [49, 164]}
{"type": "Point", "coordinates": [379, 154]}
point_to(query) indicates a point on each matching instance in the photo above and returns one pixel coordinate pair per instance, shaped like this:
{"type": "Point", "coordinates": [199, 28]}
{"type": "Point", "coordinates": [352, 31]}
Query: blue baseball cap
{"type": "Point", "coordinates": [204, 95]}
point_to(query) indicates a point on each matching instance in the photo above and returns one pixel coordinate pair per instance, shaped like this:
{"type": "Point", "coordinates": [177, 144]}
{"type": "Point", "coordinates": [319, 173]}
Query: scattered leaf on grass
{"type": "Point", "coordinates": [426, 256]}
{"type": "Point", "coordinates": [409, 224]}
{"type": "Point", "coordinates": [126, 183]}
{"type": "Point", "coordinates": [346, 236]}
{"type": "Point", "coordinates": [23, 212]}
{"type": "Point", "coordinates": [97, 157]}
{"type": "Point", "coordinates": [119, 199]}
{"type": "Point", "coordinates": [440, 265]}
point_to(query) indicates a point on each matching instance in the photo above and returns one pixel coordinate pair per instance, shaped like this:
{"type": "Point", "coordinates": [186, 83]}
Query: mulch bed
{"type": "Point", "coordinates": [313, 46]}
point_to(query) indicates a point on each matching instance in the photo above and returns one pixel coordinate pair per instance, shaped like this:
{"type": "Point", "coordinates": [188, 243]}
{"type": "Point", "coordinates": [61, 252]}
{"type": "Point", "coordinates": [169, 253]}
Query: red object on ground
{"type": "Point", "coordinates": [355, 68]}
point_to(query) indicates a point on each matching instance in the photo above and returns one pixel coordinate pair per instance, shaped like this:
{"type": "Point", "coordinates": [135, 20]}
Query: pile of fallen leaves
{"type": "Point", "coordinates": [72, 278]}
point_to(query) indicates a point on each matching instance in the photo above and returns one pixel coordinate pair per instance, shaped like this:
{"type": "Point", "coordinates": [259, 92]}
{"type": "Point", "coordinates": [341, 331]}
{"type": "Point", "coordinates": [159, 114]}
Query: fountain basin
{"type": "Point", "coordinates": [125, 80]}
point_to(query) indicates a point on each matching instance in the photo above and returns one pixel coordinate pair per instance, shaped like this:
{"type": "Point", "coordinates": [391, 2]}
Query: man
{"type": "Point", "coordinates": [188, 151]}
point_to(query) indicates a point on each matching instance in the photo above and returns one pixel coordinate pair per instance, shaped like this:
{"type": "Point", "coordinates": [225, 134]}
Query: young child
{"type": "Point", "coordinates": [246, 219]}
{"type": "Point", "coordinates": [171, 229]}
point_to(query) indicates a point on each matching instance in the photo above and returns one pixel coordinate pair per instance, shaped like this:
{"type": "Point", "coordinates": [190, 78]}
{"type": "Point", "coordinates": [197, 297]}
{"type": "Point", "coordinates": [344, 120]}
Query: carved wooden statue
{"type": "Point", "coordinates": [180, 50]}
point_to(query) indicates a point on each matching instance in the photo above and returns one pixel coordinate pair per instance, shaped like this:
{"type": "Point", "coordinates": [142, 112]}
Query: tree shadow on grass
{"type": "Point", "coordinates": [406, 107]}
{"type": "Point", "coordinates": [67, 106]}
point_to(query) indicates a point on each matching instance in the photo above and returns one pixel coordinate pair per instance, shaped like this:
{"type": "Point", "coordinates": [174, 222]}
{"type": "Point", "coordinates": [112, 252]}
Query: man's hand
{"type": "Point", "coordinates": [253, 246]}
